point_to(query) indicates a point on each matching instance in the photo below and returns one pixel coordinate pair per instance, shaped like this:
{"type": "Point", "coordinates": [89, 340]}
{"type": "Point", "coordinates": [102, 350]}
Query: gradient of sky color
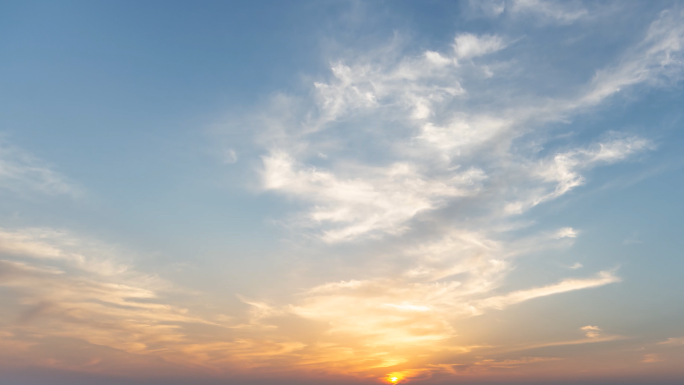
{"type": "Point", "coordinates": [329, 192]}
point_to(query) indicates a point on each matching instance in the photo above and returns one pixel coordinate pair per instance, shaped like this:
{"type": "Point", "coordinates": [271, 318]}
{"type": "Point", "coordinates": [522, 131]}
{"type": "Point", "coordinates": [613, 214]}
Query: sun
{"type": "Point", "coordinates": [394, 378]}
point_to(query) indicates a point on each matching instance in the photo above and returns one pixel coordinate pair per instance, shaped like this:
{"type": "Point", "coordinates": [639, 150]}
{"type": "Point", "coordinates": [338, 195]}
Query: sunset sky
{"type": "Point", "coordinates": [341, 192]}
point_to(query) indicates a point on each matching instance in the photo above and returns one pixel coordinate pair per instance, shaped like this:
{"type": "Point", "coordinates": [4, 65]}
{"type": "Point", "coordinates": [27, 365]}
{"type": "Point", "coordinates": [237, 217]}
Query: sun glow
{"type": "Point", "coordinates": [394, 378]}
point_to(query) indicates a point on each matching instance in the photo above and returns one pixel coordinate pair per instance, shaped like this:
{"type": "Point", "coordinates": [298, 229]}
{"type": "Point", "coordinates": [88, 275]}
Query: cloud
{"type": "Point", "coordinates": [430, 157]}
{"type": "Point", "coordinates": [433, 138]}
{"type": "Point", "coordinates": [462, 132]}
{"type": "Point", "coordinates": [557, 11]}
{"type": "Point", "coordinates": [657, 60]}
{"type": "Point", "coordinates": [229, 156]}
{"type": "Point", "coordinates": [499, 302]}
{"type": "Point", "coordinates": [49, 244]}
{"type": "Point", "coordinates": [563, 171]}
{"type": "Point", "coordinates": [416, 308]}
{"type": "Point", "coordinates": [673, 341]}
{"type": "Point", "coordinates": [545, 11]}
{"type": "Point", "coordinates": [356, 207]}
{"type": "Point", "coordinates": [22, 174]}
{"type": "Point", "coordinates": [489, 8]}
{"type": "Point", "coordinates": [591, 331]}
{"type": "Point", "coordinates": [650, 358]}
{"type": "Point", "coordinates": [512, 363]}
{"type": "Point", "coordinates": [58, 285]}
{"type": "Point", "coordinates": [566, 232]}
{"type": "Point", "coordinates": [468, 46]}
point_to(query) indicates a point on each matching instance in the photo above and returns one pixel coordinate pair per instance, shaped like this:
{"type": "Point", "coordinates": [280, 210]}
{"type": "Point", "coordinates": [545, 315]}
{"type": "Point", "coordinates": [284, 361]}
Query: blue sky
{"type": "Point", "coordinates": [341, 191]}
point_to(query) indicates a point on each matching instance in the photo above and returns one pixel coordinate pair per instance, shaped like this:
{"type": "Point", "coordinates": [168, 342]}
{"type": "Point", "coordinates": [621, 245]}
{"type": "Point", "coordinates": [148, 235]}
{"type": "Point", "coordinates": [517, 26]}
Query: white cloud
{"type": "Point", "coordinates": [566, 232]}
{"type": "Point", "coordinates": [381, 202]}
{"type": "Point", "coordinates": [462, 133]}
{"type": "Point", "coordinates": [559, 11]}
{"type": "Point", "coordinates": [545, 11]}
{"type": "Point", "coordinates": [411, 111]}
{"type": "Point", "coordinates": [564, 171]}
{"type": "Point", "coordinates": [468, 46]}
{"type": "Point", "coordinates": [499, 302]}
{"type": "Point", "coordinates": [657, 60]}
{"type": "Point", "coordinates": [429, 154]}
{"type": "Point", "coordinates": [412, 84]}
{"type": "Point", "coordinates": [431, 139]}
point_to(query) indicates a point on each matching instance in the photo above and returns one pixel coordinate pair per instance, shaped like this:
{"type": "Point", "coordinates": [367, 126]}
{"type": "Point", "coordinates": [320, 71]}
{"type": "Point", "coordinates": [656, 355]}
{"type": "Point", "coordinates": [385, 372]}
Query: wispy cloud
{"type": "Point", "coordinates": [430, 147]}
{"type": "Point", "coordinates": [61, 285]}
{"type": "Point", "coordinates": [453, 140]}
{"type": "Point", "coordinates": [350, 207]}
{"type": "Point", "coordinates": [390, 143]}
{"type": "Point", "coordinates": [545, 11]}
{"type": "Point", "coordinates": [673, 341]}
{"type": "Point", "coordinates": [558, 11]}
{"type": "Point", "coordinates": [564, 171]}
{"type": "Point", "coordinates": [499, 302]}
{"type": "Point", "coordinates": [59, 246]}
{"type": "Point", "coordinates": [468, 46]}
{"type": "Point", "coordinates": [22, 174]}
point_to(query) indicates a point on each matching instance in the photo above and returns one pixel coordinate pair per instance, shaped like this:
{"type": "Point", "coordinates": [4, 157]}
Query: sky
{"type": "Point", "coordinates": [341, 192]}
